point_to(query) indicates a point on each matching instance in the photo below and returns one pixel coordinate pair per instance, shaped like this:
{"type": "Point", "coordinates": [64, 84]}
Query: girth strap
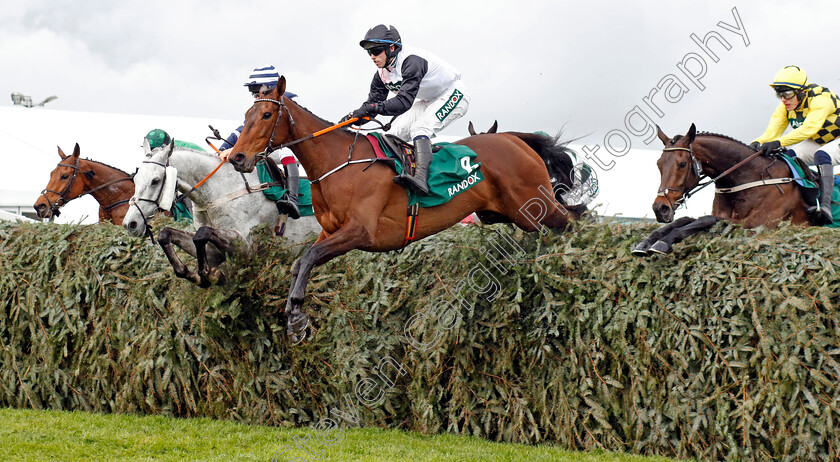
{"type": "Point", "coordinates": [411, 223]}
{"type": "Point", "coordinates": [753, 184]}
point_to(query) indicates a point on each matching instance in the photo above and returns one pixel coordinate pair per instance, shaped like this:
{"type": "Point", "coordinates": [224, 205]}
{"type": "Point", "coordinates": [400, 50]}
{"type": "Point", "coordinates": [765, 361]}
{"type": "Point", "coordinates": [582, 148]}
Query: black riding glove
{"type": "Point", "coordinates": [770, 146]}
{"type": "Point", "coordinates": [754, 145]}
{"type": "Point", "coordinates": [365, 110]}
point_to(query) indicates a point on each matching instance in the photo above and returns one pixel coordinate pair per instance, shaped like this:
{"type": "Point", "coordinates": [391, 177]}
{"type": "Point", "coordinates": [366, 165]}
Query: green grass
{"type": "Point", "coordinates": [51, 435]}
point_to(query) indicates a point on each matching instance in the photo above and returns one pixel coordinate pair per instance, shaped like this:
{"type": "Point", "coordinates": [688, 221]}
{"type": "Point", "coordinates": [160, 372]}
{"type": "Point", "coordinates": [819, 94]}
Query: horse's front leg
{"type": "Point", "coordinates": [664, 245]}
{"type": "Point", "coordinates": [643, 249]}
{"type": "Point", "coordinates": [349, 237]}
{"type": "Point", "coordinates": [224, 242]}
{"type": "Point", "coordinates": [184, 240]}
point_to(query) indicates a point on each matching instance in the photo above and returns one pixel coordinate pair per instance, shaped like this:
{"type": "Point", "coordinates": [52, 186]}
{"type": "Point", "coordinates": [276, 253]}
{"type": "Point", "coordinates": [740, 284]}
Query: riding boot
{"type": "Point", "coordinates": [822, 215]}
{"type": "Point", "coordinates": [423, 158]}
{"type": "Point", "coordinates": [289, 203]}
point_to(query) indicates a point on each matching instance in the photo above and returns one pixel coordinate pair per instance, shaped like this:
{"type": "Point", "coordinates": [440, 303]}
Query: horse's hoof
{"type": "Point", "coordinates": [661, 248]}
{"type": "Point", "coordinates": [642, 250]}
{"type": "Point", "coordinates": [296, 324]}
{"type": "Point", "coordinates": [215, 276]}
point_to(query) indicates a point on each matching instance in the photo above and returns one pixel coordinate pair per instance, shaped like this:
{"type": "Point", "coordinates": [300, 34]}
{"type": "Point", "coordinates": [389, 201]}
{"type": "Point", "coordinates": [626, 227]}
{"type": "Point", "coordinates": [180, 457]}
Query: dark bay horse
{"type": "Point", "coordinates": [358, 205]}
{"type": "Point", "coordinates": [758, 192]}
{"type": "Point", "coordinates": [74, 177]}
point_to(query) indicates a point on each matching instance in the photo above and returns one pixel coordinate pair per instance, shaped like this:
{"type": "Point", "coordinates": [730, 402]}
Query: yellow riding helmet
{"type": "Point", "coordinates": [790, 76]}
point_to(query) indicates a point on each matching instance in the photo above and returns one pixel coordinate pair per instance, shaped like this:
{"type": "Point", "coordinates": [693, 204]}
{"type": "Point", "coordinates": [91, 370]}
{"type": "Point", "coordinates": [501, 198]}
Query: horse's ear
{"type": "Point", "coordinates": [281, 85]}
{"type": "Point", "coordinates": [662, 136]}
{"type": "Point", "coordinates": [494, 127]}
{"type": "Point", "coordinates": [471, 129]}
{"type": "Point", "coordinates": [76, 151]}
{"type": "Point", "coordinates": [170, 147]}
{"type": "Point", "coordinates": [692, 132]}
{"type": "Point", "coordinates": [147, 148]}
{"type": "Point", "coordinates": [61, 153]}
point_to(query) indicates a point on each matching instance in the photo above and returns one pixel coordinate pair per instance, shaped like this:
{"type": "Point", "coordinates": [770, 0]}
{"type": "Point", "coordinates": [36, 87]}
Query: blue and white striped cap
{"type": "Point", "coordinates": [267, 75]}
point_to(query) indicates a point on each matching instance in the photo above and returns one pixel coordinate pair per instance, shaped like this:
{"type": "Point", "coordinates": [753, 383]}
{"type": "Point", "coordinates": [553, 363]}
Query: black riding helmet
{"type": "Point", "coordinates": [382, 35]}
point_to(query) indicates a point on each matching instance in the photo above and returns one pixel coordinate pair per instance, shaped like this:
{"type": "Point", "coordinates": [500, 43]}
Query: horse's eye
{"type": "Point", "coordinates": [65, 176]}
{"type": "Point", "coordinates": [266, 115]}
{"type": "Point", "coordinates": [156, 181]}
{"type": "Point", "coordinates": [682, 165]}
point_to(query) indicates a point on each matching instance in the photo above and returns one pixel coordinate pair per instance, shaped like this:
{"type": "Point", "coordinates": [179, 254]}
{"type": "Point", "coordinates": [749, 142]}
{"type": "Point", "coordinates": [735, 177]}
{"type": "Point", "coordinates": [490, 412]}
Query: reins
{"type": "Point", "coordinates": [269, 149]}
{"type": "Point", "coordinates": [700, 175]}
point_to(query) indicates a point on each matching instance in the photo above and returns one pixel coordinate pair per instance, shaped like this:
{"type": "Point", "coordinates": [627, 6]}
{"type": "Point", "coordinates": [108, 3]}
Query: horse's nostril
{"type": "Point", "coordinates": [237, 158]}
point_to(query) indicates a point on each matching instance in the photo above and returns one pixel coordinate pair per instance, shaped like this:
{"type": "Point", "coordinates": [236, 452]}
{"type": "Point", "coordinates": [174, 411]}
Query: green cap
{"type": "Point", "coordinates": [158, 138]}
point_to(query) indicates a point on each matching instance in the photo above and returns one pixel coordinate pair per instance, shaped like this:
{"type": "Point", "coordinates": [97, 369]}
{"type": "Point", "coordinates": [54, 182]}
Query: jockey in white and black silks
{"type": "Point", "coordinates": [428, 96]}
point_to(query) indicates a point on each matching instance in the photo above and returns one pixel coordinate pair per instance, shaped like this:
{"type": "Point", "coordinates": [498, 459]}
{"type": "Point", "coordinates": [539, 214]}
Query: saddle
{"type": "Point", "coordinates": [403, 150]}
{"type": "Point", "coordinates": [808, 194]}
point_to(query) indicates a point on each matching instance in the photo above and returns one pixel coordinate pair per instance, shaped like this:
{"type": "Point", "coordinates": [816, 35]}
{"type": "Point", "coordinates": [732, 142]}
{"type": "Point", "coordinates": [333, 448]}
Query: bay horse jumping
{"type": "Point", "coordinates": [358, 205]}
{"type": "Point", "coordinates": [75, 177]}
{"type": "Point", "coordinates": [759, 190]}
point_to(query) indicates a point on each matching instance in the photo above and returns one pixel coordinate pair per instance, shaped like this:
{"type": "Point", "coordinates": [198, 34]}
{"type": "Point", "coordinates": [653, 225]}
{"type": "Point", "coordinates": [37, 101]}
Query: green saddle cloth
{"type": "Point", "coordinates": [276, 193]}
{"type": "Point", "coordinates": [453, 171]}
{"type": "Point", "coordinates": [181, 212]}
{"type": "Point", "coordinates": [188, 145]}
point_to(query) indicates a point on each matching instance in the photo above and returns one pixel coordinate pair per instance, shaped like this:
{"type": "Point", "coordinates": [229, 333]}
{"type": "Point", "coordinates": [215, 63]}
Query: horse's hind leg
{"type": "Point", "coordinates": [664, 245]}
{"type": "Point", "coordinates": [350, 236]}
{"type": "Point", "coordinates": [208, 259]}
{"type": "Point", "coordinates": [643, 249]}
{"type": "Point", "coordinates": [184, 240]}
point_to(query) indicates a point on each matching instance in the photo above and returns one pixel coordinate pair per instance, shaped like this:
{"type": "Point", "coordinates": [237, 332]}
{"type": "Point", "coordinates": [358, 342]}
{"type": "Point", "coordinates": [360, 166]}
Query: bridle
{"type": "Point", "coordinates": [698, 171]}
{"type": "Point", "coordinates": [685, 194]}
{"type": "Point", "coordinates": [268, 149]}
{"type": "Point", "coordinates": [133, 201]}
{"type": "Point", "coordinates": [62, 195]}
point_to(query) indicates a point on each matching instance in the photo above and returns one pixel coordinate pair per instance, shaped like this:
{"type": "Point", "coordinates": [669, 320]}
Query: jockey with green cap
{"type": "Point", "coordinates": [158, 138]}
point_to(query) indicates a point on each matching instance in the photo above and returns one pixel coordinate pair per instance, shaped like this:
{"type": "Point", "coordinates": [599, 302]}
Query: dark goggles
{"type": "Point", "coordinates": [376, 51]}
{"type": "Point", "coordinates": [785, 94]}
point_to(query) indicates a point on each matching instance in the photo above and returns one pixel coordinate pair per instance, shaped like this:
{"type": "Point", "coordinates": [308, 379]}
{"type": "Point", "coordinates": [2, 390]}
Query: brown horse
{"type": "Point", "coordinates": [758, 191]}
{"type": "Point", "coordinates": [358, 205]}
{"type": "Point", "coordinates": [74, 177]}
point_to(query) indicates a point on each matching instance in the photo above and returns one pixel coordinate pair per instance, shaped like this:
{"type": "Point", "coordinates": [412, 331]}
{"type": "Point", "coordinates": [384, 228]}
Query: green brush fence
{"type": "Point", "coordinates": [727, 349]}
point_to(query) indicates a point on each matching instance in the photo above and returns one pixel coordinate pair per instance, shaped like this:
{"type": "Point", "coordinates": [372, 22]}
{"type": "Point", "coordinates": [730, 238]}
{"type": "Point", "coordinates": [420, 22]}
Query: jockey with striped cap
{"type": "Point", "coordinates": [428, 96]}
{"type": "Point", "coordinates": [813, 112]}
{"type": "Point", "coordinates": [261, 81]}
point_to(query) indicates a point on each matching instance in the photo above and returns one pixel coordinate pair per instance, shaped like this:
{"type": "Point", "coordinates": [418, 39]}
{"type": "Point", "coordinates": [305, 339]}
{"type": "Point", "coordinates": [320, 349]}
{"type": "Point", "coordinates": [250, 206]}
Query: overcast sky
{"type": "Point", "coordinates": [583, 66]}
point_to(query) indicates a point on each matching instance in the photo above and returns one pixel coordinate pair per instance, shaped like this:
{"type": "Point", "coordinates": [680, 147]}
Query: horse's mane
{"type": "Point", "coordinates": [206, 153]}
{"type": "Point", "coordinates": [315, 115]}
{"type": "Point", "coordinates": [726, 137]}
{"type": "Point", "coordinates": [106, 165]}
{"type": "Point", "coordinates": [190, 150]}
